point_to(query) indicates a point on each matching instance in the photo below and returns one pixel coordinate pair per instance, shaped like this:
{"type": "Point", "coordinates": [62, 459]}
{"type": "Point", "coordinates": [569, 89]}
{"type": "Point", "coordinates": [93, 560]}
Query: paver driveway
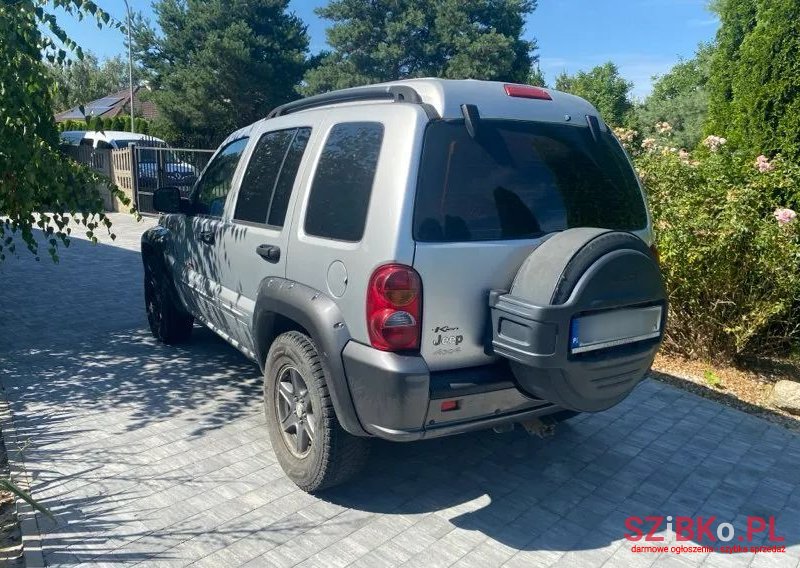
{"type": "Point", "coordinates": [151, 455]}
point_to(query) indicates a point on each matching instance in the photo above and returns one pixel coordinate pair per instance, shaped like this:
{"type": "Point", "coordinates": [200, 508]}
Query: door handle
{"type": "Point", "coordinates": [207, 237]}
{"type": "Point", "coordinates": [270, 253]}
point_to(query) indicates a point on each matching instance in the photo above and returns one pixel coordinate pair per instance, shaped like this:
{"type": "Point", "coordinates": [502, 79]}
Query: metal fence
{"type": "Point", "coordinates": [160, 166]}
{"type": "Point", "coordinates": [141, 168]}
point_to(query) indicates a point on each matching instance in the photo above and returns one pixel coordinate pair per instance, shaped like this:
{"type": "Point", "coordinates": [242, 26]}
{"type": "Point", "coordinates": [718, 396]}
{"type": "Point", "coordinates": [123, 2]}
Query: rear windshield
{"type": "Point", "coordinates": [520, 180]}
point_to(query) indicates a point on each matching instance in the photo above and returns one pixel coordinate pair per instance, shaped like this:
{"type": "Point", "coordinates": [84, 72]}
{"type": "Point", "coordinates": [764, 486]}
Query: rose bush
{"type": "Point", "coordinates": [726, 229]}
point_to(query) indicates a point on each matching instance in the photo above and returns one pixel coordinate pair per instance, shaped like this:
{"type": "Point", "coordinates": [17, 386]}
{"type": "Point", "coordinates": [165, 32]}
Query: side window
{"type": "Point", "coordinates": [283, 188]}
{"type": "Point", "coordinates": [268, 181]}
{"type": "Point", "coordinates": [340, 192]}
{"type": "Point", "coordinates": [214, 185]}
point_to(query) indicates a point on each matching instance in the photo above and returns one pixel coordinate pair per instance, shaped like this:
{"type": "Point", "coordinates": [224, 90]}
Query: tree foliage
{"type": "Point", "coordinates": [680, 98]}
{"type": "Point", "coordinates": [536, 78]}
{"type": "Point", "coordinates": [88, 79]}
{"type": "Point", "coordinates": [737, 20]}
{"type": "Point", "coordinates": [604, 87]}
{"type": "Point", "coordinates": [119, 122]}
{"type": "Point", "coordinates": [39, 186]}
{"type": "Point", "coordinates": [385, 40]}
{"type": "Point", "coordinates": [766, 88]}
{"type": "Point", "coordinates": [217, 65]}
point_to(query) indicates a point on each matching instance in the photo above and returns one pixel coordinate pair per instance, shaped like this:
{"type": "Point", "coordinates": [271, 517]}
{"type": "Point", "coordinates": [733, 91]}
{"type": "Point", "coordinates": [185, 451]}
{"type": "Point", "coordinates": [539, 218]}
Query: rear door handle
{"type": "Point", "coordinates": [270, 253]}
{"type": "Point", "coordinates": [207, 237]}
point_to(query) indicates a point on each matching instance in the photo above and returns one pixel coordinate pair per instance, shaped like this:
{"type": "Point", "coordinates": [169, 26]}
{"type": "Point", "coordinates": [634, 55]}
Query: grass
{"type": "Point", "coordinates": [712, 379]}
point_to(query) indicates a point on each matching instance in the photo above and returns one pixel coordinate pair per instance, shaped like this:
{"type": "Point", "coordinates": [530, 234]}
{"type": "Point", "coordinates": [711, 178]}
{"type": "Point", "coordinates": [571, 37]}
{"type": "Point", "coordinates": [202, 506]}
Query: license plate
{"type": "Point", "coordinates": [614, 328]}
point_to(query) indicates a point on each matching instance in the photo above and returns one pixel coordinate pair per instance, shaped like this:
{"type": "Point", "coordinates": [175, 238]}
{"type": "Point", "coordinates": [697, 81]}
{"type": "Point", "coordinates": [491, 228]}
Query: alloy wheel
{"type": "Point", "coordinates": [295, 412]}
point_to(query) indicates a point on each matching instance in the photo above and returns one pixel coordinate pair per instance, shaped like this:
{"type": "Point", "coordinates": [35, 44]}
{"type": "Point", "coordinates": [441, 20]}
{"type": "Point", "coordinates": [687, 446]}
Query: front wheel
{"type": "Point", "coordinates": [169, 322]}
{"type": "Point", "coordinates": [311, 446]}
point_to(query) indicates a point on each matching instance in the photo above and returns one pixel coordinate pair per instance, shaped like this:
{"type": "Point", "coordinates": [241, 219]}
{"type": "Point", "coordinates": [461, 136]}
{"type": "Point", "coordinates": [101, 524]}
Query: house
{"type": "Point", "coordinates": [110, 106]}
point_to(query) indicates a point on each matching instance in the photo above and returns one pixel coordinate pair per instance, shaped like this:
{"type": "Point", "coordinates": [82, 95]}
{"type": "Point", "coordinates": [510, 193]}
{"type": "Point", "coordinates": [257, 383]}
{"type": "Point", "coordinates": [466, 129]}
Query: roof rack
{"type": "Point", "coordinates": [396, 93]}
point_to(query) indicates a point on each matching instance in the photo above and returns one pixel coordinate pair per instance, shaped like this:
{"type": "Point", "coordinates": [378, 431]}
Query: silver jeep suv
{"type": "Point", "coordinates": [415, 259]}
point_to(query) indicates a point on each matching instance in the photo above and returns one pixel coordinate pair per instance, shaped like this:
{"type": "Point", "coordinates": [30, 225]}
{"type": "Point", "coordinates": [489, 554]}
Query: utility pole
{"type": "Point", "coordinates": [130, 64]}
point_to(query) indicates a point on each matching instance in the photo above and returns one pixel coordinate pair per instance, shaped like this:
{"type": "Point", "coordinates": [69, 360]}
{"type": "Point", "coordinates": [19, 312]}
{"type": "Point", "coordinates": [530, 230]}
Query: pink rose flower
{"type": "Point", "coordinates": [784, 216]}
{"type": "Point", "coordinates": [763, 164]}
{"type": "Point", "coordinates": [714, 143]}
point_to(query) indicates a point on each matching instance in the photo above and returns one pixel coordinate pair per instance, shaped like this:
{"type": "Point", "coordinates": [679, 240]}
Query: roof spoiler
{"type": "Point", "coordinates": [395, 93]}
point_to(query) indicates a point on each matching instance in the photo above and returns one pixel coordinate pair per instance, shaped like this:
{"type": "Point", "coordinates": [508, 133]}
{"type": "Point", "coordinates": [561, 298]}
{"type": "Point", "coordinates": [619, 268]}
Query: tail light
{"type": "Point", "coordinates": [394, 308]}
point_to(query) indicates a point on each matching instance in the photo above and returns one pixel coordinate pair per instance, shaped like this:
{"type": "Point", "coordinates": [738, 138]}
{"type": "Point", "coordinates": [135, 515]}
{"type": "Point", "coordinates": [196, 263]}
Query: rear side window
{"type": "Point", "coordinates": [521, 180]}
{"type": "Point", "coordinates": [340, 192]}
{"type": "Point", "coordinates": [212, 189]}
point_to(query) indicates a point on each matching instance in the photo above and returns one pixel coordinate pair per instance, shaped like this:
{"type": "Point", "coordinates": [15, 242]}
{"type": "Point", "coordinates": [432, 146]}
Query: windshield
{"type": "Point", "coordinates": [522, 180]}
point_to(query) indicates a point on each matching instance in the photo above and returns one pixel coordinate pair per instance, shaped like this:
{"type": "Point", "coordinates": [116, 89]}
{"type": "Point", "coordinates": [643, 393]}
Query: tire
{"type": "Point", "coordinates": [312, 448]}
{"type": "Point", "coordinates": [169, 322]}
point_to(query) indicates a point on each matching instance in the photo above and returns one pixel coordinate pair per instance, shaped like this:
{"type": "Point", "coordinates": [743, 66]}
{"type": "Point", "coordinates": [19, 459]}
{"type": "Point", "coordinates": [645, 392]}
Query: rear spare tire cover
{"type": "Point", "coordinates": [582, 272]}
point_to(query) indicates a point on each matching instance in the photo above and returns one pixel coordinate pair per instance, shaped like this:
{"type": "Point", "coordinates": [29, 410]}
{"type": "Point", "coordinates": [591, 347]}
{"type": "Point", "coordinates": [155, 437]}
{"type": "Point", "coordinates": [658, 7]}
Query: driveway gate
{"type": "Point", "coordinates": [156, 165]}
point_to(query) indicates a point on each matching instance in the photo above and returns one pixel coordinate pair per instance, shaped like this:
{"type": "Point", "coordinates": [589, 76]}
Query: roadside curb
{"type": "Point", "coordinates": [27, 515]}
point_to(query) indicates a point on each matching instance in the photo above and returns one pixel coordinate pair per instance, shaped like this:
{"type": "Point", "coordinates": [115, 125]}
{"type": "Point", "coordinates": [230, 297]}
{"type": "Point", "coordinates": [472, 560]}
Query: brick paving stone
{"type": "Point", "coordinates": [158, 456]}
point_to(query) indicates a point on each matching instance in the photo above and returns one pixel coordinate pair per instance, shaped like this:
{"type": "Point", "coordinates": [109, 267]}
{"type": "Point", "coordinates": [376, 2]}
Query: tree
{"type": "Point", "coordinates": [680, 97]}
{"type": "Point", "coordinates": [766, 86]}
{"type": "Point", "coordinates": [217, 65]}
{"type": "Point", "coordinates": [604, 88]}
{"type": "Point", "coordinates": [39, 186]}
{"type": "Point", "coordinates": [384, 40]}
{"type": "Point", "coordinates": [737, 20]}
{"type": "Point", "coordinates": [87, 79]}
{"type": "Point", "coordinates": [536, 78]}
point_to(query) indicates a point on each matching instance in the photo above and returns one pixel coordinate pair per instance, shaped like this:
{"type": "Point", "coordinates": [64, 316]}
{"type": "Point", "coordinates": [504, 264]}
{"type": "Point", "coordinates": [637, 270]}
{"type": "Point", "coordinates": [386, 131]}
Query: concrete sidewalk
{"type": "Point", "coordinates": [158, 456]}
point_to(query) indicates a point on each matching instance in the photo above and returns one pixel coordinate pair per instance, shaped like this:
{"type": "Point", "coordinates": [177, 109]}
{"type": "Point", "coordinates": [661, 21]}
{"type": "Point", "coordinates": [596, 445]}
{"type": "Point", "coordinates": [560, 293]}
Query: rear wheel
{"type": "Point", "coordinates": [311, 446]}
{"type": "Point", "coordinates": [169, 322]}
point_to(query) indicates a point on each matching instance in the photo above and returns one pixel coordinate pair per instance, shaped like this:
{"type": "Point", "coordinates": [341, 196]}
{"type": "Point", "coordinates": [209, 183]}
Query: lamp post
{"type": "Point", "coordinates": [130, 63]}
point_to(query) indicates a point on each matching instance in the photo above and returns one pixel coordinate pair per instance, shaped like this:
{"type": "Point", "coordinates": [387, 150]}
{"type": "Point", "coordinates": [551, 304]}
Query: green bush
{"type": "Point", "coordinates": [729, 244]}
{"type": "Point", "coordinates": [141, 125]}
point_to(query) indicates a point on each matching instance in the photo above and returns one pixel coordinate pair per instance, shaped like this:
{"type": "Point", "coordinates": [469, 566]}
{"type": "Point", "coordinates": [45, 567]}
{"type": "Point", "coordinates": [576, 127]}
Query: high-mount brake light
{"type": "Point", "coordinates": [394, 308]}
{"type": "Point", "coordinates": [527, 92]}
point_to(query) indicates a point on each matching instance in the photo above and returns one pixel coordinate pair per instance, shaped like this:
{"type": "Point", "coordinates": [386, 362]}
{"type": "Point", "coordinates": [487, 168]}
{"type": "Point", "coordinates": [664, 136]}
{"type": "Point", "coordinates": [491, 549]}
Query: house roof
{"type": "Point", "coordinates": [110, 106]}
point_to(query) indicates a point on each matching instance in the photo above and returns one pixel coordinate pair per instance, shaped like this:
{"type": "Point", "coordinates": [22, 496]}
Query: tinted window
{"type": "Point", "coordinates": [337, 207]}
{"type": "Point", "coordinates": [262, 173]}
{"type": "Point", "coordinates": [213, 187]}
{"type": "Point", "coordinates": [268, 181]}
{"type": "Point", "coordinates": [283, 188]}
{"type": "Point", "coordinates": [521, 180]}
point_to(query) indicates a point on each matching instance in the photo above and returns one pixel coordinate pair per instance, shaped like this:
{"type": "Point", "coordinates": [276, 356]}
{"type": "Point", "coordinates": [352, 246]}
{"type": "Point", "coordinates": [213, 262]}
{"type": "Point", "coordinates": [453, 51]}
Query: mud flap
{"type": "Point", "coordinates": [583, 320]}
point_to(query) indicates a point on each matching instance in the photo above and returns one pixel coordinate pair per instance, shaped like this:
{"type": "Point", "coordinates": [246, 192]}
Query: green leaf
{"type": "Point", "coordinates": [9, 486]}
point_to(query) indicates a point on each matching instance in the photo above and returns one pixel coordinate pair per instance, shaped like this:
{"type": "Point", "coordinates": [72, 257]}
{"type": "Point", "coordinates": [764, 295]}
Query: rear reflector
{"type": "Point", "coordinates": [449, 405]}
{"type": "Point", "coordinates": [527, 92]}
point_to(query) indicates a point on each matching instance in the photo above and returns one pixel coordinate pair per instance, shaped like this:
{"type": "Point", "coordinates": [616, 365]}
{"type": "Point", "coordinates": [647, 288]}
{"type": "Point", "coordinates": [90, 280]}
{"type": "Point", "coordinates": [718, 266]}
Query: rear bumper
{"type": "Point", "coordinates": [397, 398]}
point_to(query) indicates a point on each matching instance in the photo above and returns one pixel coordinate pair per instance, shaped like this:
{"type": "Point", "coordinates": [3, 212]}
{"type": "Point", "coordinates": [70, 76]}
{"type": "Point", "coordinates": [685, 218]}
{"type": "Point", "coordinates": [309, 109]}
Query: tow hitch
{"type": "Point", "coordinates": [542, 427]}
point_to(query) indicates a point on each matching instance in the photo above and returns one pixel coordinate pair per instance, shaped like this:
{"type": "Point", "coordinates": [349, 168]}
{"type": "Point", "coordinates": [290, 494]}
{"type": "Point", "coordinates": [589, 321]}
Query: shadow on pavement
{"type": "Point", "coordinates": [147, 452]}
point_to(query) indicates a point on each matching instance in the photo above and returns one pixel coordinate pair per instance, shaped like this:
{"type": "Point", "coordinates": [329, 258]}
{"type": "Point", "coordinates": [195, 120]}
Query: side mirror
{"type": "Point", "coordinates": [169, 200]}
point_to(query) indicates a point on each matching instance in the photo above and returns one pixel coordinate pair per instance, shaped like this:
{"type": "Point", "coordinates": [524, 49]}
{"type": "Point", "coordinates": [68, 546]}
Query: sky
{"type": "Point", "coordinates": [643, 37]}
